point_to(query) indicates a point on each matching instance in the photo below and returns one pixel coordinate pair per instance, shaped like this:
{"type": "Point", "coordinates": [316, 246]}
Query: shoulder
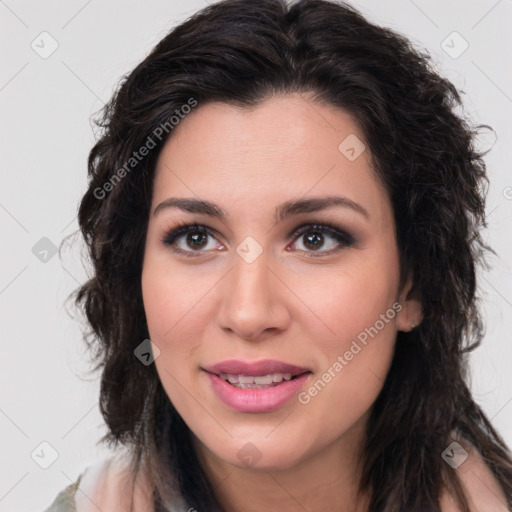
{"type": "Point", "coordinates": [482, 489]}
{"type": "Point", "coordinates": [109, 484]}
{"type": "Point", "coordinates": [112, 485]}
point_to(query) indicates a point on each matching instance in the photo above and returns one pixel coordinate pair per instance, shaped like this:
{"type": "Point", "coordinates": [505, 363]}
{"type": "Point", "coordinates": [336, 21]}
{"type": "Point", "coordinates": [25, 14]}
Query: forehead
{"type": "Point", "coordinates": [286, 146]}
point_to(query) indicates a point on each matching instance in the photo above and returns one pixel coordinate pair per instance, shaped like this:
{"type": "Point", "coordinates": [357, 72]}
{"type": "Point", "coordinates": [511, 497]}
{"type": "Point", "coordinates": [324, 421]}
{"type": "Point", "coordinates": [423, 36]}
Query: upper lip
{"type": "Point", "coordinates": [254, 369]}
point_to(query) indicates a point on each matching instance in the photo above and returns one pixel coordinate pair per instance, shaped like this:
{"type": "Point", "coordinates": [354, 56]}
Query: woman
{"type": "Point", "coordinates": [283, 217]}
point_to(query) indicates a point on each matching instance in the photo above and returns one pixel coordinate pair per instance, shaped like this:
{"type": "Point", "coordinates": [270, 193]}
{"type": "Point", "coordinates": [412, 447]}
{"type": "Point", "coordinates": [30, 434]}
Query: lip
{"type": "Point", "coordinates": [254, 369]}
{"type": "Point", "coordinates": [257, 400]}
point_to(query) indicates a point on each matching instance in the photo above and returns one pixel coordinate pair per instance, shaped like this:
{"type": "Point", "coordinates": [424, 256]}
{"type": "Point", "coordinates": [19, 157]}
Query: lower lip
{"type": "Point", "coordinates": [257, 400]}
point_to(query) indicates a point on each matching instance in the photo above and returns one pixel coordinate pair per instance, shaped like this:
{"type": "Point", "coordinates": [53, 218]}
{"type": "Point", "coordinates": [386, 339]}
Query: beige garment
{"type": "Point", "coordinates": [107, 486]}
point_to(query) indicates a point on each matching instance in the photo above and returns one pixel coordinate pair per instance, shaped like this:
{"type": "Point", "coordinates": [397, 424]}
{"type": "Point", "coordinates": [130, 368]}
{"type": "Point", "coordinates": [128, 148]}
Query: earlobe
{"type": "Point", "coordinates": [411, 314]}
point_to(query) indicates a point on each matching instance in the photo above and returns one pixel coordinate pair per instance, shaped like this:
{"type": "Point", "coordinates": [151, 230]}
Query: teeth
{"type": "Point", "coordinates": [245, 379]}
{"type": "Point", "coordinates": [260, 381]}
{"type": "Point", "coordinates": [263, 379]}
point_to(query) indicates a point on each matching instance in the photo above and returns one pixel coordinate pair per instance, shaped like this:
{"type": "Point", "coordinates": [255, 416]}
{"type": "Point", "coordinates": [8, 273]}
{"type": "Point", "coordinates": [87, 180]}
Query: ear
{"type": "Point", "coordinates": [411, 314]}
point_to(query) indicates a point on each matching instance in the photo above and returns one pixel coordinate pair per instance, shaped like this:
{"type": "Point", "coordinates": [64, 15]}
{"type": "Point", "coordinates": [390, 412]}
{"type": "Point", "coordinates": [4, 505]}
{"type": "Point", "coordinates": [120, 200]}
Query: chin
{"type": "Point", "coordinates": [260, 454]}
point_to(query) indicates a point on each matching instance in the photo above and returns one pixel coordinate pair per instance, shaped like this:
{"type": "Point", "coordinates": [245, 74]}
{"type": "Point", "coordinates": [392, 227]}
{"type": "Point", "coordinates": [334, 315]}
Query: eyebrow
{"type": "Point", "coordinates": [283, 212]}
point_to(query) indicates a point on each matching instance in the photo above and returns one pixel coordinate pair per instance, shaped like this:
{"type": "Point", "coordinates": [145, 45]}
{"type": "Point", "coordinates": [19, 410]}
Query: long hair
{"type": "Point", "coordinates": [241, 52]}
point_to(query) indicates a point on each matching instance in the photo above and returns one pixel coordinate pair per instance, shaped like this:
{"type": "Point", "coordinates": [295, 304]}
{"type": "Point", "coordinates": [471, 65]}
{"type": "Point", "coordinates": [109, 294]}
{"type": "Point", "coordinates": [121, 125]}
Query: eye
{"type": "Point", "coordinates": [193, 239]}
{"type": "Point", "coordinates": [323, 239]}
{"type": "Point", "coordinates": [189, 239]}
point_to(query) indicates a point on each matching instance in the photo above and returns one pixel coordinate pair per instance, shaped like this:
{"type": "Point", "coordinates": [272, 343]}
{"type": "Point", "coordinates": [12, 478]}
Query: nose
{"type": "Point", "coordinates": [253, 300]}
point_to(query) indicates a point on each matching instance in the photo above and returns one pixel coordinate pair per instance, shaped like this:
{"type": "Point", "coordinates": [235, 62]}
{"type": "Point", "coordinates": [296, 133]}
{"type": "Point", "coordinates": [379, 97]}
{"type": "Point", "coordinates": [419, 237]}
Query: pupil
{"type": "Point", "coordinates": [197, 239]}
{"type": "Point", "coordinates": [315, 239]}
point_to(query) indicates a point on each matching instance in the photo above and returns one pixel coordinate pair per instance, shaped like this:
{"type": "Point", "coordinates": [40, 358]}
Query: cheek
{"type": "Point", "coordinates": [169, 307]}
{"type": "Point", "coordinates": [351, 298]}
{"type": "Point", "coordinates": [173, 295]}
{"type": "Point", "coordinates": [173, 313]}
{"type": "Point", "coordinates": [361, 322]}
{"type": "Point", "coordinates": [345, 392]}
{"type": "Point", "coordinates": [358, 312]}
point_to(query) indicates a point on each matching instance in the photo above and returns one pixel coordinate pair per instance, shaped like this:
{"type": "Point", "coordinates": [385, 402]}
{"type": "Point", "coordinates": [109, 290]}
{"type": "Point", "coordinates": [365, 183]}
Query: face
{"type": "Point", "coordinates": [271, 269]}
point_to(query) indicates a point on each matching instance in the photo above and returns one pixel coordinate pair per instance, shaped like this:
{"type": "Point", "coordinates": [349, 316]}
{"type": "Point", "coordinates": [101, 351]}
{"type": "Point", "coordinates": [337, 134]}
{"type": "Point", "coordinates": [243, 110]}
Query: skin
{"type": "Point", "coordinates": [288, 304]}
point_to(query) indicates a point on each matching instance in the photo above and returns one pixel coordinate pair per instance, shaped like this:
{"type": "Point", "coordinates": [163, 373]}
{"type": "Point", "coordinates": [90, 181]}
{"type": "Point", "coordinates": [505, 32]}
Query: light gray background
{"type": "Point", "coordinates": [46, 393]}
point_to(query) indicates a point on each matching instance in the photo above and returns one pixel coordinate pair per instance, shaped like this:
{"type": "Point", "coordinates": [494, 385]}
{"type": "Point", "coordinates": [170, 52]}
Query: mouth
{"type": "Point", "coordinates": [257, 382]}
{"type": "Point", "coordinates": [255, 375]}
{"type": "Point", "coordinates": [260, 393]}
{"type": "Point", "coordinates": [256, 387]}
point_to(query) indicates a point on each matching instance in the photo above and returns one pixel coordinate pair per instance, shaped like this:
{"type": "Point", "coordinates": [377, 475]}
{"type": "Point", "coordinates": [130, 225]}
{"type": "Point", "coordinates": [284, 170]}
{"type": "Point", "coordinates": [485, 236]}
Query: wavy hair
{"type": "Point", "coordinates": [424, 152]}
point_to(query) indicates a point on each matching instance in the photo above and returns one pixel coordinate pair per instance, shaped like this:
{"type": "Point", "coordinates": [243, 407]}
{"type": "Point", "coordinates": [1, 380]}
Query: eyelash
{"type": "Point", "coordinates": [342, 237]}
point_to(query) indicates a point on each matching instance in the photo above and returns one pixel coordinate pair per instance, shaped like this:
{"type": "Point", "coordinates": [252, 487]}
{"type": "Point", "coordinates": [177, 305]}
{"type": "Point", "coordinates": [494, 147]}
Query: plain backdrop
{"type": "Point", "coordinates": [46, 101]}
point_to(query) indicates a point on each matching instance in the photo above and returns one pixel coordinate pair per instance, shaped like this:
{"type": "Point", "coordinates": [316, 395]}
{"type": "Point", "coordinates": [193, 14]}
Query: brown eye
{"type": "Point", "coordinates": [321, 239]}
{"type": "Point", "coordinates": [191, 240]}
{"type": "Point", "coordinates": [314, 240]}
{"type": "Point", "coordinates": [196, 240]}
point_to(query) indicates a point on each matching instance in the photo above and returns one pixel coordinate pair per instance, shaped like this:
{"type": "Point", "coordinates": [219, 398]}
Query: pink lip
{"type": "Point", "coordinates": [255, 369]}
{"type": "Point", "coordinates": [256, 400]}
{"type": "Point", "coordinates": [261, 399]}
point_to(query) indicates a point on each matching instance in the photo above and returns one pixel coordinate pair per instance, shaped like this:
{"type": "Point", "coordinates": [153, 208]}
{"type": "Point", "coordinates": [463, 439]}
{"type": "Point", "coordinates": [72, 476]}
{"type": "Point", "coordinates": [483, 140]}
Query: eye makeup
{"type": "Point", "coordinates": [194, 233]}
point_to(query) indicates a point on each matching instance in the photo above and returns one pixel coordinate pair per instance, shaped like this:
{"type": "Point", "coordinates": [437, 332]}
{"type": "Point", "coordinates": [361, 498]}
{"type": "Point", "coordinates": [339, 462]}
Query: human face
{"type": "Point", "coordinates": [305, 300]}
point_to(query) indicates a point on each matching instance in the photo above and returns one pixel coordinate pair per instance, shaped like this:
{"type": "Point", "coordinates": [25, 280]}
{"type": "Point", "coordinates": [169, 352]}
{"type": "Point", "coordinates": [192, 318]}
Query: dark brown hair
{"type": "Point", "coordinates": [240, 52]}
